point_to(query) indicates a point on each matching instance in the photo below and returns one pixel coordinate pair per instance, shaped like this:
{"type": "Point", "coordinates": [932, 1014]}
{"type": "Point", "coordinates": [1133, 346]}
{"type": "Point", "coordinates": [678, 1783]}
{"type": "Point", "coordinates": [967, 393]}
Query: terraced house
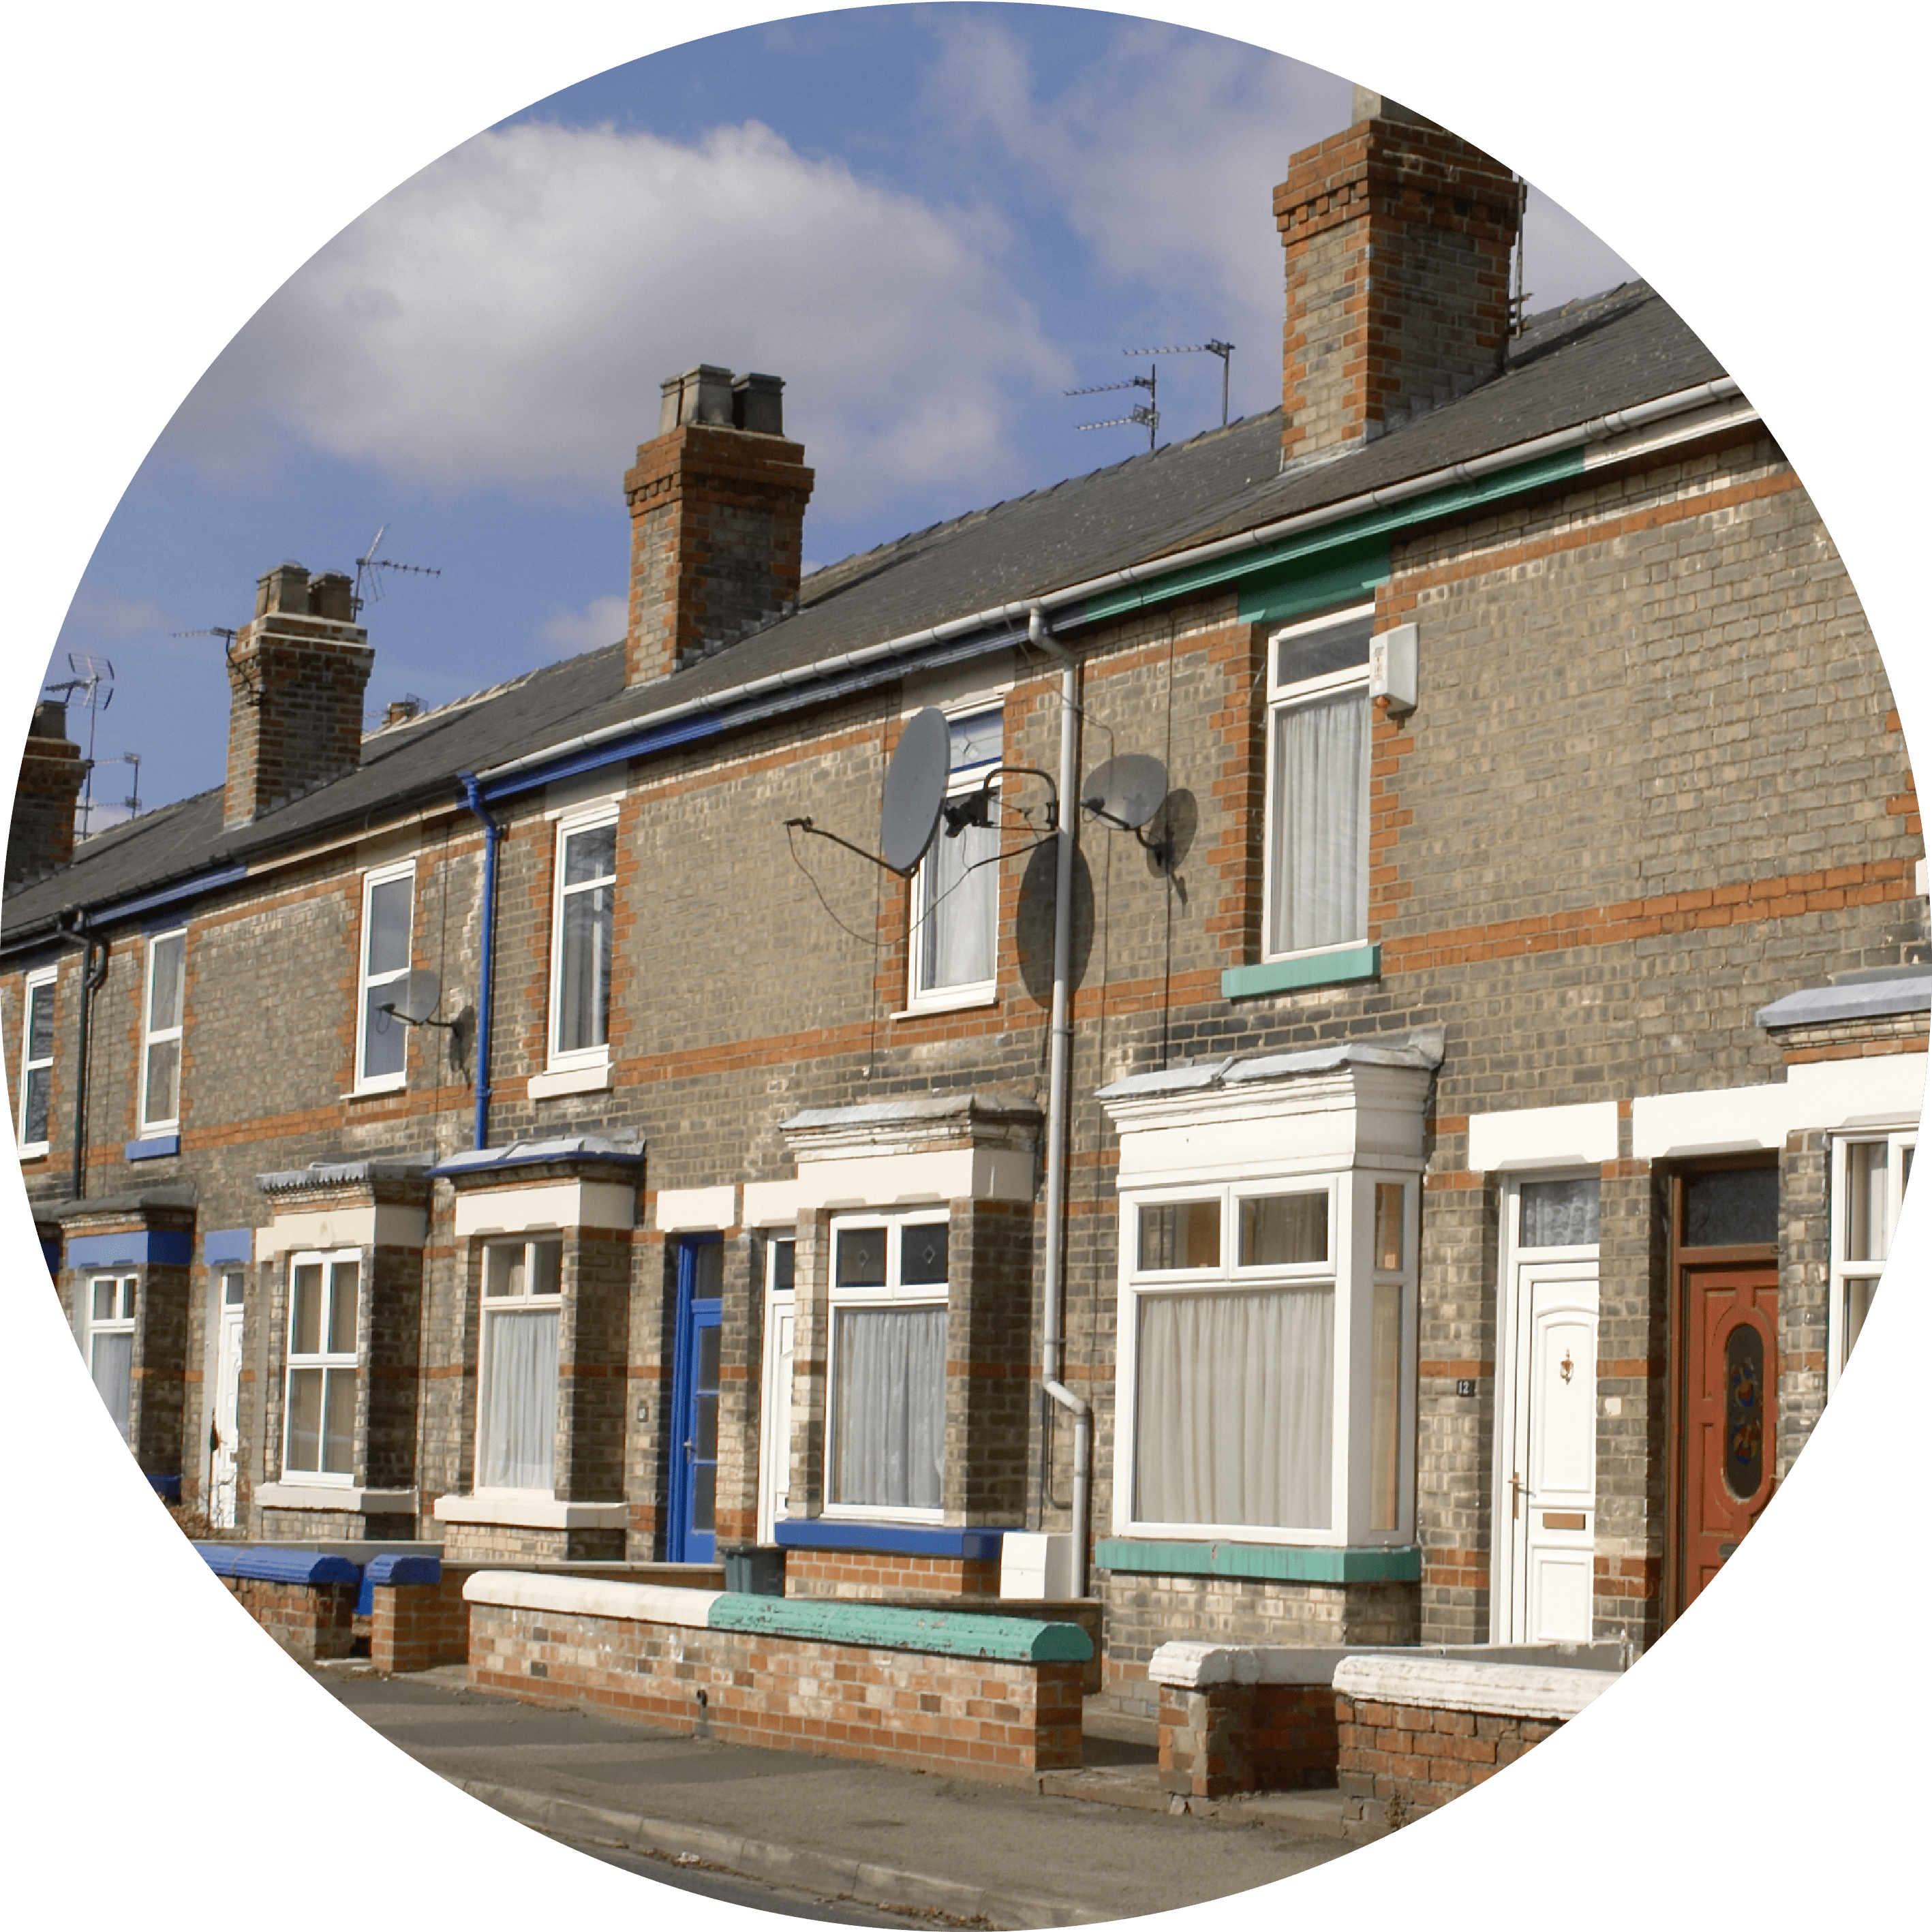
{"type": "Point", "coordinates": [1420, 1183]}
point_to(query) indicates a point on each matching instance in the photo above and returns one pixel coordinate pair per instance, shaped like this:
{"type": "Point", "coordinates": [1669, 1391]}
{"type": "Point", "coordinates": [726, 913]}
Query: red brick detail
{"type": "Point", "coordinates": [1227, 1738]}
{"type": "Point", "coordinates": [1424, 1758]}
{"type": "Point", "coordinates": [309, 1621]}
{"type": "Point", "coordinates": [869, 1575]}
{"type": "Point", "coordinates": [417, 1626]}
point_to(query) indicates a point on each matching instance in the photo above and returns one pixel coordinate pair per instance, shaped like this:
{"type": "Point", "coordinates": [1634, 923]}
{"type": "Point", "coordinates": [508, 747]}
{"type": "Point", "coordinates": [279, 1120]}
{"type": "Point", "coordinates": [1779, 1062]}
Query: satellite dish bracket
{"type": "Point", "coordinates": [820, 832]}
{"type": "Point", "coordinates": [976, 807]}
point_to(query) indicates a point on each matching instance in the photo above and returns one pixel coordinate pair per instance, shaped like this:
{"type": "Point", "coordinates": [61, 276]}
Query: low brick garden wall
{"type": "Point", "coordinates": [304, 1601]}
{"type": "Point", "coordinates": [1415, 1733]}
{"type": "Point", "coordinates": [992, 1697]}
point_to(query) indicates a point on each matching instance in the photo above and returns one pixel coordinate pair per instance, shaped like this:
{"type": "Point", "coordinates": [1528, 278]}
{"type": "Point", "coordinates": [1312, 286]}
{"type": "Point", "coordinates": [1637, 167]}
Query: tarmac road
{"type": "Point", "coordinates": [851, 1836]}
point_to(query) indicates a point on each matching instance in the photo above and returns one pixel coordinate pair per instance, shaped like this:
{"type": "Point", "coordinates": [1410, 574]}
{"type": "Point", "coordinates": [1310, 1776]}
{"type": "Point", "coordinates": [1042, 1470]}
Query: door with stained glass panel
{"type": "Point", "coordinates": [692, 1536]}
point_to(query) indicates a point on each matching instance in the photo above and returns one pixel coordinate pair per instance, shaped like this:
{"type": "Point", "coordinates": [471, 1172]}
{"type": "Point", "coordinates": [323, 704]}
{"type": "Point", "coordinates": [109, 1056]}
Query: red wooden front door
{"type": "Point", "coordinates": [1730, 1437]}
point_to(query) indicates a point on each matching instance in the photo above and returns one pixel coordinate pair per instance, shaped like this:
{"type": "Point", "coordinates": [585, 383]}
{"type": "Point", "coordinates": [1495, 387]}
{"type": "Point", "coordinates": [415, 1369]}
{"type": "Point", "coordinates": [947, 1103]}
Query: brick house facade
{"type": "Point", "coordinates": [1490, 1075]}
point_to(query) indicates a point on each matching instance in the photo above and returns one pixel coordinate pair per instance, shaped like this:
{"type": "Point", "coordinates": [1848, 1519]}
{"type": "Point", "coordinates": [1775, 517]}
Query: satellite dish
{"type": "Point", "coordinates": [1126, 791]}
{"type": "Point", "coordinates": [915, 789]}
{"type": "Point", "coordinates": [413, 999]}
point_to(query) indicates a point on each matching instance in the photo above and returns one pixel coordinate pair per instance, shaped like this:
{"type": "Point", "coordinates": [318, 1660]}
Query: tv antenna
{"type": "Point", "coordinates": [251, 674]}
{"type": "Point", "coordinates": [369, 568]}
{"type": "Point", "coordinates": [1223, 350]}
{"type": "Point", "coordinates": [1147, 412]}
{"type": "Point", "coordinates": [131, 804]}
{"type": "Point", "coordinates": [914, 800]}
{"type": "Point", "coordinates": [92, 686]}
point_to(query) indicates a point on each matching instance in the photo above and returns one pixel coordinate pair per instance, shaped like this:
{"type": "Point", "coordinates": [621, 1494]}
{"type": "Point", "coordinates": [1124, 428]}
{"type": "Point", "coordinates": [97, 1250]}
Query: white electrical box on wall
{"type": "Point", "coordinates": [1392, 667]}
{"type": "Point", "coordinates": [1037, 1565]}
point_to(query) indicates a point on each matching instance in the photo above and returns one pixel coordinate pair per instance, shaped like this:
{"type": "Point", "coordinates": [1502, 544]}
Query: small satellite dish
{"type": "Point", "coordinates": [413, 999]}
{"type": "Point", "coordinates": [1126, 791]}
{"type": "Point", "coordinates": [915, 789]}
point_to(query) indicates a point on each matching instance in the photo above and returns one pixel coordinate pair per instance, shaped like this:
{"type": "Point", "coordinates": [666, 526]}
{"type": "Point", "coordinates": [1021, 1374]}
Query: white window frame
{"type": "Point", "coordinates": [560, 1058]}
{"type": "Point", "coordinates": [491, 1306]}
{"type": "Point", "coordinates": [1351, 1275]}
{"type": "Point", "coordinates": [47, 981]}
{"type": "Point", "coordinates": [774, 1444]}
{"type": "Point", "coordinates": [368, 982]}
{"type": "Point", "coordinates": [961, 781]}
{"type": "Point", "coordinates": [1286, 696]}
{"type": "Point", "coordinates": [895, 1294]}
{"type": "Point", "coordinates": [124, 1291]}
{"type": "Point", "coordinates": [1858, 1278]}
{"type": "Point", "coordinates": [324, 1359]}
{"type": "Point", "coordinates": [152, 1036]}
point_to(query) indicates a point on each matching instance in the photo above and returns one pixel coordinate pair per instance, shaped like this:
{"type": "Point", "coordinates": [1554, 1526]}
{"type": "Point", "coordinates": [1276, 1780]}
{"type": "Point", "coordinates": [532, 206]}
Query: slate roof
{"type": "Point", "coordinates": [1590, 359]}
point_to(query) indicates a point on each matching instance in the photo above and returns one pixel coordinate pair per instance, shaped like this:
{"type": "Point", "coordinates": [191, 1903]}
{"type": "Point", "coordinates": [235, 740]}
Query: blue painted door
{"type": "Point", "coordinates": [692, 1537]}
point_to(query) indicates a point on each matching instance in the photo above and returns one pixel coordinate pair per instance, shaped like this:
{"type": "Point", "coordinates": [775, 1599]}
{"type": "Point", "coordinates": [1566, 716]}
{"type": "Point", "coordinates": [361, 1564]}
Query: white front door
{"type": "Point", "coordinates": [226, 1422]}
{"type": "Point", "coordinates": [775, 1415]}
{"type": "Point", "coordinates": [1547, 1503]}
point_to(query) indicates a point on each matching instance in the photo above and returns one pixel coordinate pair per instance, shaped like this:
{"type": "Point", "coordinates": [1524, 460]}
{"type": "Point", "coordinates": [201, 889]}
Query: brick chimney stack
{"type": "Point", "coordinates": [717, 521]}
{"type": "Point", "coordinates": [1398, 236]}
{"type": "Point", "coordinates": [296, 673]}
{"type": "Point", "coordinates": [39, 839]}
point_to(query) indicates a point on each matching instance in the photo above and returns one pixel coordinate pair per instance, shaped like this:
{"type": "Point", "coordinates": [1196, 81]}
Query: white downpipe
{"type": "Point", "coordinates": [1059, 1042]}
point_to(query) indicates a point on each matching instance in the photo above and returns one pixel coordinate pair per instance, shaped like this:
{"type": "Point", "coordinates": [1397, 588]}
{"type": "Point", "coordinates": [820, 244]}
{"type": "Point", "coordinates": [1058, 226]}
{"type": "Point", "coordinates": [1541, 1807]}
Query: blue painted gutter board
{"type": "Point", "coordinates": [887, 1539]}
{"type": "Point", "coordinates": [228, 1244]}
{"type": "Point", "coordinates": [884, 1627]}
{"type": "Point", "coordinates": [139, 1247]}
{"type": "Point", "coordinates": [1269, 1562]}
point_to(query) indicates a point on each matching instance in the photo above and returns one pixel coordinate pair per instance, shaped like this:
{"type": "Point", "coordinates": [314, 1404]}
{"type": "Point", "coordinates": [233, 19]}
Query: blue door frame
{"type": "Point", "coordinates": [691, 1535]}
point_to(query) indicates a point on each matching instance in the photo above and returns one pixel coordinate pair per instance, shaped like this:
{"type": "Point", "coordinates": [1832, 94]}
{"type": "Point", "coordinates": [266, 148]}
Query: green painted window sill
{"type": "Point", "coordinates": [1269, 1562]}
{"type": "Point", "coordinates": [1314, 969]}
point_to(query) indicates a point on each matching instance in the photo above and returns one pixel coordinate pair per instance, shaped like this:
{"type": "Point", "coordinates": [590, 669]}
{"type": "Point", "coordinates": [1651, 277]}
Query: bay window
{"type": "Point", "coordinates": [110, 1343]}
{"type": "Point", "coordinates": [956, 889]}
{"type": "Point", "coordinates": [886, 1443]}
{"type": "Point", "coordinates": [37, 1060]}
{"type": "Point", "coordinates": [161, 1032]}
{"type": "Point", "coordinates": [516, 1420]}
{"type": "Point", "coordinates": [324, 1294]}
{"type": "Point", "coordinates": [583, 923]}
{"type": "Point", "coordinates": [1317, 861]}
{"type": "Point", "coordinates": [1868, 1183]}
{"type": "Point", "coordinates": [382, 1055]}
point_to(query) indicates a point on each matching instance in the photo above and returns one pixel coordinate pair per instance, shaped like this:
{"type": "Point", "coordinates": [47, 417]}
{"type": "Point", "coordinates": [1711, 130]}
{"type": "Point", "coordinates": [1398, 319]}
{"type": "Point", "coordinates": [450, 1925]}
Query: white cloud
{"type": "Point", "coordinates": [569, 633]}
{"type": "Point", "coordinates": [505, 317]}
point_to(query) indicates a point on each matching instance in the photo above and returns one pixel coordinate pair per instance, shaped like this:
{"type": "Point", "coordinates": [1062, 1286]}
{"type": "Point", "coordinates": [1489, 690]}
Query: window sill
{"type": "Point", "coordinates": [153, 1147]}
{"type": "Point", "coordinates": [324, 1495]}
{"type": "Point", "coordinates": [1307, 969]}
{"type": "Point", "coordinates": [561, 1080]}
{"type": "Point", "coordinates": [530, 1509]}
{"type": "Point", "coordinates": [888, 1539]}
{"type": "Point", "coordinates": [36, 1150]}
{"type": "Point", "coordinates": [383, 1092]}
{"type": "Point", "coordinates": [948, 1003]}
{"type": "Point", "coordinates": [1269, 1562]}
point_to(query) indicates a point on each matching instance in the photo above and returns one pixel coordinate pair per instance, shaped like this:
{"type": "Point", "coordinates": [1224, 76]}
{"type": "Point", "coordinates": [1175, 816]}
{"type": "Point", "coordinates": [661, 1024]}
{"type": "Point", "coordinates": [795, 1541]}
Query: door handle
{"type": "Point", "coordinates": [1517, 1488]}
{"type": "Point", "coordinates": [690, 1449]}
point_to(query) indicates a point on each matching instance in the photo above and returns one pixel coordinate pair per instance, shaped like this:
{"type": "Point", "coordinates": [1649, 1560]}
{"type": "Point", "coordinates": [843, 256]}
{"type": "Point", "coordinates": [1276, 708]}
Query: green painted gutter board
{"type": "Point", "coordinates": [1318, 969]}
{"type": "Point", "coordinates": [1271, 1562]}
{"type": "Point", "coordinates": [1457, 498]}
{"type": "Point", "coordinates": [1291, 590]}
{"type": "Point", "coordinates": [887, 1627]}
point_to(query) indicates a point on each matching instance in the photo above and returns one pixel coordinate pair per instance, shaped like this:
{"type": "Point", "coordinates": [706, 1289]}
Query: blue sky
{"type": "Point", "coordinates": [931, 223]}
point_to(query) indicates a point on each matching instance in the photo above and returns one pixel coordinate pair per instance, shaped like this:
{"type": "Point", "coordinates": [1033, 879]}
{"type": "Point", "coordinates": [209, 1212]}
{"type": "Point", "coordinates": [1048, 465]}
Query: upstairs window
{"type": "Point", "coordinates": [956, 889]}
{"type": "Point", "coordinates": [37, 1060]}
{"type": "Point", "coordinates": [580, 940]}
{"type": "Point", "coordinates": [161, 1032]}
{"type": "Point", "coordinates": [1868, 1183]}
{"type": "Point", "coordinates": [387, 902]}
{"type": "Point", "coordinates": [1318, 784]}
{"type": "Point", "coordinates": [324, 1297]}
{"type": "Point", "coordinates": [516, 1422]}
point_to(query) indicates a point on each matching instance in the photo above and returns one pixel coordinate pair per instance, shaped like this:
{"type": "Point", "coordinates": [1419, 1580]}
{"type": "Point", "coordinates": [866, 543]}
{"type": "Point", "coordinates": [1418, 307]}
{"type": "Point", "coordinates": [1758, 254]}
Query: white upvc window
{"type": "Point", "coordinates": [110, 1342]}
{"type": "Point", "coordinates": [885, 1443]}
{"type": "Point", "coordinates": [1869, 1174]}
{"type": "Point", "coordinates": [516, 1409]}
{"type": "Point", "coordinates": [325, 1298]}
{"type": "Point", "coordinates": [1267, 1338]}
{"type": "Point", "coordinates": [956, 893]}
{"type": "Point", "coordinates": [583, 923]}
{"type": "Point", "coordinates": [37, 1060]}
{"type": "Point", "coordinates": [161, 1031]}
{"type": "Point", "coordinates": [381, 1059]}
{"type": "Point", "coordinates": [1317, 856]}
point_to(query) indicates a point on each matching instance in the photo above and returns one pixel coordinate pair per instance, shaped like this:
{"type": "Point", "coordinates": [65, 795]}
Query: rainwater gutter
{"type": "Point", "coordinates": [93, 976]}
{"type": "Point", "coordinates": [486, 963]}
{"type": "Point", "coordinates": [1060, 1039]}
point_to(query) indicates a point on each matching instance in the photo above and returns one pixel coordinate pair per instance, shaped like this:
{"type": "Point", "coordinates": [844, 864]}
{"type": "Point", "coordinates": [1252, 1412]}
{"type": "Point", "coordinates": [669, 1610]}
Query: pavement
{"type": "Point", "coordinates": [859, 1844]}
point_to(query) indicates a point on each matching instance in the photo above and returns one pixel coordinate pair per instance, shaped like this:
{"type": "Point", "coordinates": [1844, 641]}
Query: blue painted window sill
{"type": "Point", "coordinates": [887, 1539]}
{"type": "Point", "coordinates": [155, 1148]}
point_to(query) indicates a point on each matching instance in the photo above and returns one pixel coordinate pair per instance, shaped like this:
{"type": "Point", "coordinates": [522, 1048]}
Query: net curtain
{"type": "Point", "coordinates": [890, 1407]}
{"type": "Point", "coordinates": [1321, 830]}
{"type": "Point", "coordinates": [520, 1403]}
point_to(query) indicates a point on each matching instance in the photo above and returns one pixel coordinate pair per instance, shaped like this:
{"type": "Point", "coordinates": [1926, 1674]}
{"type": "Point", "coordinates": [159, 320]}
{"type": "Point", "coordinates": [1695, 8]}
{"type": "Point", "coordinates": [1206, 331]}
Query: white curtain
{"type": "Point", "coordinates": [113, 1373]}
{"type": "Point", "coordinates": [889, 1410]}
{"type": "Point", "coordinates": [520, 1402]}
{"type": "Point", "coordinates": [1234, 1410]}
{"type": "Point", "coordinates": [1321, 831]}
{"type": "Point", "coordinates": [960, 909]}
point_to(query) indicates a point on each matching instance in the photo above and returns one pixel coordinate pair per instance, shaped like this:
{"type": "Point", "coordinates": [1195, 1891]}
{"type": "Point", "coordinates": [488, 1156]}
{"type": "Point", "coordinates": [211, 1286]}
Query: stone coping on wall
{"type": "Point", "coordinates": [1264, 1562]}
{"type": "Point", "coordinates": [308, 1566]}
{"type": "Point", "coordinates": [888, 1539]}
{"type": "Point", "coordinates": [1185, 1664]}
{"type": "Point", "coordinates": [1487, 1689]}
{"type": "Point", "coordinates": [863, 1625]}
